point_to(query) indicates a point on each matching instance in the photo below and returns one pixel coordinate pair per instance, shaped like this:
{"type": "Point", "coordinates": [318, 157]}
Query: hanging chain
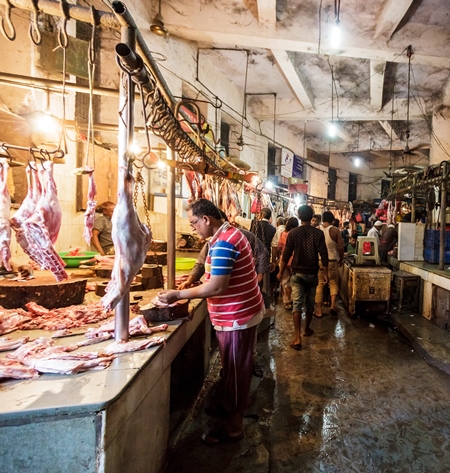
{"type": "Point", "coordinates": [139, 185]}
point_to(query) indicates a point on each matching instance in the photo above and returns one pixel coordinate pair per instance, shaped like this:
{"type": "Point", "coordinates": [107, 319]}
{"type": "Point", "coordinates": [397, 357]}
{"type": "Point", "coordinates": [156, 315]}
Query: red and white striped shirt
{"type": "Point", "coordinates": [230, 253]}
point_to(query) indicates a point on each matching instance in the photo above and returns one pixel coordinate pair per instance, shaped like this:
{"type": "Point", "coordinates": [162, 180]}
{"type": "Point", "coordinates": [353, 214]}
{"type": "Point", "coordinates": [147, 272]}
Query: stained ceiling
{"type": "Point", "coordinates": [362, 84]}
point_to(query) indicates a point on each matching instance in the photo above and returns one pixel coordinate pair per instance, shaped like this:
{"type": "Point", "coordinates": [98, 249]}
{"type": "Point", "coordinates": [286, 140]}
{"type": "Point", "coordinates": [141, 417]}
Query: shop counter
{"type": "Point", "coordinates": [113, 420]}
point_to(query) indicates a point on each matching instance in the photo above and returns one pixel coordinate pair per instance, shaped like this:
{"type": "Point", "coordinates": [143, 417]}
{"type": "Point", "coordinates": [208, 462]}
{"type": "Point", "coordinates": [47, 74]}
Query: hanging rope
{"type": "Point", "coordinates": [90, 143]}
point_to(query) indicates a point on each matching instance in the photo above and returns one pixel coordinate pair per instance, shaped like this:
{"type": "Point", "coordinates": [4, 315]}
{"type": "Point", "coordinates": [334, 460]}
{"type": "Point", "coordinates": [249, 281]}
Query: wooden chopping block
{"type": "Point", "coordinates": [164, 314]}
{"type": "Point", "coordinates": [156, 258]}
{"type": "Point", "coordinates": [150, 283]}
{"type": "Point", "coordinates": [159, 245]}
{"type": "Point", "coordinates": [101, 287]}
{"type": "Point", "coordinates": [103, 273]}
{"type": "Point", "coordinates": [43, 290]}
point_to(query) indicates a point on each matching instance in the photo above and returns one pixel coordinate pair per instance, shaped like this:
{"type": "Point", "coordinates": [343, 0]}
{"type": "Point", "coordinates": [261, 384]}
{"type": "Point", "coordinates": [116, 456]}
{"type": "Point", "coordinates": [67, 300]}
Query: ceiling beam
{"type": "Point", "coordinates": [377, 70]}
{"type": "Point", "coordinates": [389, 130]}
{"type": "Point", "coordinates": [288, 110]}
{"type": "Point", "coordinates": [274, 40]}
{"type": "Point", "coordinates": [267, 12]}
{"type": "Point", "coordinates": [343, 136]}
{"type": "Point", "coordinates": [287, 69]}
{"type": "Point", "coordinates": [390, 17]}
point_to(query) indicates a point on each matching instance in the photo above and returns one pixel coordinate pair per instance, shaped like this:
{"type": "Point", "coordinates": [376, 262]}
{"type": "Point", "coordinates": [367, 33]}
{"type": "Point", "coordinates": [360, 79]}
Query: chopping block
{"type": "Point", "coordinates": [151, 277]}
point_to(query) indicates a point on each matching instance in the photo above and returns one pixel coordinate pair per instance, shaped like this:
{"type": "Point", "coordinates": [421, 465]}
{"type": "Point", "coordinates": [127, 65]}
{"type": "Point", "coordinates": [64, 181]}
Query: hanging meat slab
{"type": "Point", "coordinates": [131, 241]}
{"type": "Point", "coordinates": [89, 215]}
{"type": "Point", "coordinates": [5, 208]}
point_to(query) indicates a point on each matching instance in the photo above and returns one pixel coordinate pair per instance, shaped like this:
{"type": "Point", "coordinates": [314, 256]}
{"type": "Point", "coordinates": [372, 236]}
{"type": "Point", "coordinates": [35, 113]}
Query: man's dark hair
{"type": "Point", "coordinates": [327, 217]}
{"type": "Point", "coordinates": [201, 207]}
{"type": "Point", "coordinates": [305, 213]}
{"type": "Point", "coordinates": [317, 217]}
{"type": "Point", "coordinates": [291, 223]}
{"type": "Point", "coordinates": [266, 213]}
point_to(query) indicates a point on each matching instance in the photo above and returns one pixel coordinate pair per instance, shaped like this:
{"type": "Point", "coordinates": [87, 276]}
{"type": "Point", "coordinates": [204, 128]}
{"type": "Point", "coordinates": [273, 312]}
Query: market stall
{"type": "Point", "coordinates": [84, 422]}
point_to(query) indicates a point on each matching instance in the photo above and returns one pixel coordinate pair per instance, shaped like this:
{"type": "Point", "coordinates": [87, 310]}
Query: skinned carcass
{"type": "Point", "coordinates": [30, 226]}
{"type": "Point", "coordinates": [5, 209]}
{"type": "Point", "coordinates": [131, 241]}
{"type": "Point", "coordinates": [89, 215]}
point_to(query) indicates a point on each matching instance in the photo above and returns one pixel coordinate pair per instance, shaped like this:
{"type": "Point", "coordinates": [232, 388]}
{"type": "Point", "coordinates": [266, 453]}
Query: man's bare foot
{"type": "Point", "coordinates": [308, 332]}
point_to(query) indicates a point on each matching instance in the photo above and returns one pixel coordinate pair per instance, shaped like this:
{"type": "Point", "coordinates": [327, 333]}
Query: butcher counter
{"type": "Point", "coordinates": [112, 420]}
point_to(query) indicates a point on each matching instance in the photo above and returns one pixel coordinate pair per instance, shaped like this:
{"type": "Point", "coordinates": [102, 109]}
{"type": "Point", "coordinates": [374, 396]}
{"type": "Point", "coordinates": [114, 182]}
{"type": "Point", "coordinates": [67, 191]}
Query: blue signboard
{"type": "Point", "coordinates": [297, 167]}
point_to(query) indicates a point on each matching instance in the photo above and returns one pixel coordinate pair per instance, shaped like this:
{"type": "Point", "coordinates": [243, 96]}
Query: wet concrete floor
{"type": "Point", "coordinates": [356, 398]}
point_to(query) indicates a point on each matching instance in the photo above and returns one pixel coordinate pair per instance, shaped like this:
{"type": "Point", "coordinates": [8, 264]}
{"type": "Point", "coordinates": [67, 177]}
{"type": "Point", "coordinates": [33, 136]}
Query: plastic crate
{"type": "Point", "coordinates": [433, 238]}
{"type": "Point", "coordinates": [431, 255]}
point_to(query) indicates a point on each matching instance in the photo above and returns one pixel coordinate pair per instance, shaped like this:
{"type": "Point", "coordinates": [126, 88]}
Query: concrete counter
{"type": "Point", "coordinates": [113, 420]}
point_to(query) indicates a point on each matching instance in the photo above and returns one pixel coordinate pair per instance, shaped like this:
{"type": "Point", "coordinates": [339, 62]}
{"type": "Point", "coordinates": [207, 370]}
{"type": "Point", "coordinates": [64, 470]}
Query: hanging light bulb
{"type": "Point", "coordinates": [357, 161]}
{"type": "Point", "coordinates": [331, 130]}
{"type": "Point", "coordinates": [269, 185]}
{"type": "Point", "coordinates": [335, 37]}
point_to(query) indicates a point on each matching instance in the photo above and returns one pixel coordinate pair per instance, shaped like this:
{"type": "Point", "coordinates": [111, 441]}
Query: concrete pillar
{"type": "Point", "coordinates": [441, 130]}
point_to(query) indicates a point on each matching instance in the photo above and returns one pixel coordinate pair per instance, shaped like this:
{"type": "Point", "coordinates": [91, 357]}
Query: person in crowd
{"type": "Point", "coordinates": [101, 232]}
{"type": "Point", "coordinates": [335, 249]}
{"type": "Point", "coordinates": [375, 231]}
{"type": "Point", "coordinates": [286, 289]}
{"type": "Point", "coordinates": [350, 247]}
{"type": "Point", "coordinates": [345, 233]}
{"type": "Point", "coordinates": [316, 220]}
{"type": "Point", "coordinates": [235, 306]}
{"type": "Point", "coordinates": [264, 230]}
{"type": "Point", "coordinates": [279, 230]}
{"type": "Point", "coordinates": [336, 223]}
{"type": "Point", "coordinates": [305, 243]}
{"type": "Point", "coordinates": [387, 242]}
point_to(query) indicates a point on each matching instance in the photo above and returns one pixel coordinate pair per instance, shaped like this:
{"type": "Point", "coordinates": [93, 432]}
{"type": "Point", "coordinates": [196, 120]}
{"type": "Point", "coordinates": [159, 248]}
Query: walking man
{"type": "Point", "coordinates": [305, 243]}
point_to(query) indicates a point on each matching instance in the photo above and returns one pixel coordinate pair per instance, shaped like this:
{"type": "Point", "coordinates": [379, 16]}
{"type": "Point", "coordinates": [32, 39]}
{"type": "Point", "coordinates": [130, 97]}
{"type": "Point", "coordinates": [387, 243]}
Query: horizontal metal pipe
{"type": "Point", "coordinates": [38, 82]}
{"type": "Point", "coordinates": [53, 7]}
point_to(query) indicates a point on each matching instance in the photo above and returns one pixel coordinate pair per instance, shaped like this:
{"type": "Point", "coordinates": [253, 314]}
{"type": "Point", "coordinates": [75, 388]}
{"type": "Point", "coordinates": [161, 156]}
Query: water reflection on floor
{"type": "Point", "coordinates": [355, 399]}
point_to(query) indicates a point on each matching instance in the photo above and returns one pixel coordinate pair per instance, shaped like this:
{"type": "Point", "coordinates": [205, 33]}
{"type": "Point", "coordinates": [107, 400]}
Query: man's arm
{"type": "Point", "coordinates": [216, 286]}
{"type": "Point", "coordinates": [198, 270]}
{"type": "Point", "coordinates": [95, 241]}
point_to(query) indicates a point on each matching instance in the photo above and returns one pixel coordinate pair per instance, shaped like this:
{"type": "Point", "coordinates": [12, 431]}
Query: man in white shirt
{"type": "Point", "coordinates": [375, 231]}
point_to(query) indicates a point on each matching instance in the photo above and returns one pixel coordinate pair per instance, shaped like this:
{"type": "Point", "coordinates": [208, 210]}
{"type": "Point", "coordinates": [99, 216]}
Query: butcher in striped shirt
{"type": "Point", "coordinates": [235, 307]}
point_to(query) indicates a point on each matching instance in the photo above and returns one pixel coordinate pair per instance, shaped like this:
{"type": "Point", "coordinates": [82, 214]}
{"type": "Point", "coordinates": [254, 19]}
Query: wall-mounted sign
{"type": "Point", "coordinates": [287, 162]}
{"type": "Point", "coordinates": [297, 167]}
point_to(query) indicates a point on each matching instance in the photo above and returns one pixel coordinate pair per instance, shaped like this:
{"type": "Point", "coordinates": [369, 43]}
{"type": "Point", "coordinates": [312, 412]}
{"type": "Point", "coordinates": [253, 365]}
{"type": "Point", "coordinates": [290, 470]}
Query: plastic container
{"type": "Point", "coordinates": [184, 264]}
{"type": "Point", "coordinates": [74, 261]}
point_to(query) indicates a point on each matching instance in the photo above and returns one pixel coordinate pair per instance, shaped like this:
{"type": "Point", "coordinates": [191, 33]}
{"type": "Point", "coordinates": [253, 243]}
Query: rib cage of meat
{"type": "Point", "coordinates": [131, 241]}
{"type": "Point", "coordinates": [89, 215]}
{"type": "Point", "coordinates": [5, 209]}
{"type": "Point", "coordinates": [40, 206]}
{"type": "Point", "coordinates": [48, 205]}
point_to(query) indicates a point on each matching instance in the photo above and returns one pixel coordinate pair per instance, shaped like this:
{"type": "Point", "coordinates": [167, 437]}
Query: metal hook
{"type": "Point", "coordinates": [12, 35]}
{"type": "Point", "coordinates": [63, 39]}
{"type": "Point", "coordinates": [34, 32]}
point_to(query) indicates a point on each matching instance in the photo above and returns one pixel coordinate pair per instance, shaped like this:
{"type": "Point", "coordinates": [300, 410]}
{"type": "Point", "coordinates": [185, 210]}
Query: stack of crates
{"type": "Point", "coordinates": [432, 245]}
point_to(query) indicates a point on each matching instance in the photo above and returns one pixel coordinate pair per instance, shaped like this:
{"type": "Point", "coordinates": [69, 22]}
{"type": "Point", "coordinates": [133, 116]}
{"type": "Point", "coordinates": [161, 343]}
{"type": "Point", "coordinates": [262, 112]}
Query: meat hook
{"type": "Point", "coordinates": [63, 39]}
{"type": "Point", "coordinates": [34, 32]}
{"type": "Point", "coordinates": [12, 35]}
